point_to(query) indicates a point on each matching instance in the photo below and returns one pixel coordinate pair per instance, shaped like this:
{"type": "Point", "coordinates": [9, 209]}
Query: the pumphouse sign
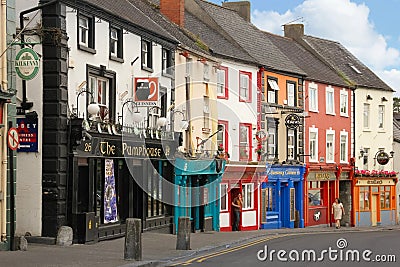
{"type": "Point", "coordinates": [27, 63]}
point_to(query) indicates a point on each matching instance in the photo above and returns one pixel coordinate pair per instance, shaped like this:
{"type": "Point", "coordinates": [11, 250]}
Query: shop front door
{"type": "Point", "coordinates": [374, 210]}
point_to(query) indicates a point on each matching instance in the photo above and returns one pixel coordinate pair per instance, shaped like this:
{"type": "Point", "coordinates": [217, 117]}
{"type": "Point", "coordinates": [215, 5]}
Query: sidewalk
{"type": "Point", "coordinates": [157, 248]}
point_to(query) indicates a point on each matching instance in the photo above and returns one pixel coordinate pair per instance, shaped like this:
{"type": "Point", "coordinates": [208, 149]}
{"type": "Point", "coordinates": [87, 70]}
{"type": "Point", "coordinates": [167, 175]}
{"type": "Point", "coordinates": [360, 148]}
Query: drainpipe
{"type": "Point", "coordinates": [3, 152]}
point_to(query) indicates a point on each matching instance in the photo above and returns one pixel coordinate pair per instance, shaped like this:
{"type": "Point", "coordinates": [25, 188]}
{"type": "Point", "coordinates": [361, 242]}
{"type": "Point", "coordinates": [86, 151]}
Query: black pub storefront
{"type": "Point", "coordinates": [114, 178]}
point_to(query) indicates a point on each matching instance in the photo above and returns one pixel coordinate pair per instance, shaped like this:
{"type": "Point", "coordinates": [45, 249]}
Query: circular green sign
{"type": "Point", "coordinates": [27, 63]}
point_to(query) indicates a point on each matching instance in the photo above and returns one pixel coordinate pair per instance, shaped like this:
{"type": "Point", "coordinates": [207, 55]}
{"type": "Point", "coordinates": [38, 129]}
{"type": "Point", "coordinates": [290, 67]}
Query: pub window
{"type": "Point", "coordinates": [155, 206]}
{"type": "Point", "coordinates": [101, 83]}
{"type": "Point", "coordinates": [270, 204]}
{"type": "Point", "coordinates": [166, 61]}
{"type": "Point", "coordinates": [273, 88]}
{"type": "Point", "coordinates": [314, 193]}
{"type": "Point", "coordinates": [115, 43]}
{"type": "Point", "coordinates": [364, 198]}
{"type": "Point", "coordinates": [147, 57]}
{"type": "Point", "coordinates": [86, 31]}
{"type": "Point", "coordinates": [384, 197]}
{"type": "Point", "coordinates": [247, 193]}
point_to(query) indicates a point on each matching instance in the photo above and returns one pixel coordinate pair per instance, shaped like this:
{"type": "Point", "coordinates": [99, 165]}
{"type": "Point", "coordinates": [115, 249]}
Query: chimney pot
{"type": "Point", "coordinates": [174, 10]}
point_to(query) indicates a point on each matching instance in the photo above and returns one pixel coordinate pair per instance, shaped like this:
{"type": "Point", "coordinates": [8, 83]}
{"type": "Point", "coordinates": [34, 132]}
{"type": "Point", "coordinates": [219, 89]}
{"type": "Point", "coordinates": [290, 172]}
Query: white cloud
{"type": "Point", "coordinates": [342, 21]}
{"type": "Point", "coordinates": [392, 78]}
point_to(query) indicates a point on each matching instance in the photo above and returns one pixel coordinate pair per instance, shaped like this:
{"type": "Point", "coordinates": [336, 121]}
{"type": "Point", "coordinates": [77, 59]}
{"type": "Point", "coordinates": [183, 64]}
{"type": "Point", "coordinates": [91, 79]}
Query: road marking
{"type": "Point", "coordinates": [202, 258]}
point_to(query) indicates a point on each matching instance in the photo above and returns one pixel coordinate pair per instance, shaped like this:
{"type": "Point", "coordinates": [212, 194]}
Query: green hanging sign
{"type": "Point", "coordinates": [27, 63]}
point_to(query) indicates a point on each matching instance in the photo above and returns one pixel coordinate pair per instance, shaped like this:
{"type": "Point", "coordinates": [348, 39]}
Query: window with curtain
{"type": "Point", "coordinates": [330, 146]}
{"type": "Point", "coordinates": [343, 147]}
{"type": "Point", "coordinates": [313, 144]}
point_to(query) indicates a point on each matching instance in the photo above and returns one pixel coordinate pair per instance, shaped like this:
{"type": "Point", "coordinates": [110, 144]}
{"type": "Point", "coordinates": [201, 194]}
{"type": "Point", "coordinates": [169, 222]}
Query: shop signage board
{"type": "Point", "coordinates": [28, 134]}
{"type": "Point", "coordinates": [27, 63]}
{"type": "Point", "coordinates": [292, 121]}
{"type": "Point", "coordinates": [374, 182]}
{"type": "Point", "coordinates": [146, 91]}
{"type": "Point", "coordinates": [321, 176]}
{"type": "Point", "coordinates": [382, 158]}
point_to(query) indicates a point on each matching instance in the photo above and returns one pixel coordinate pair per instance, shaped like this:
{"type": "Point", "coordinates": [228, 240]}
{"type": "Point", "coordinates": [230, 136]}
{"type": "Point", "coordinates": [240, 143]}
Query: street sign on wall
{"type": "Point", "coordinates": [28, 134]}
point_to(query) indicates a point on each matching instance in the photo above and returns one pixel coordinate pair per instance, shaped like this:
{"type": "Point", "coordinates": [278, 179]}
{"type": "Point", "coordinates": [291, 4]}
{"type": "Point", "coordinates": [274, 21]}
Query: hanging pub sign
{"type": "Point", "coordinates": [27, 63]}
{"type": "Point", "coordinates": [382, 158]}
{"type": "Point", "coordinates": [28, 134]}
{"type": "Point", "coordinates": [292, 121]}
{"type": "Point", "coordinates": [146, 91]}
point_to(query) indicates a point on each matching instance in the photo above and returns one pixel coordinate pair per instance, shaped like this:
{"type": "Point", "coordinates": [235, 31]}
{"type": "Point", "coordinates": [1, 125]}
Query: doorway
{"type": "Point", "coordinates": [374, 210]}
{"type": "Point", "coordinates": [233, 194]}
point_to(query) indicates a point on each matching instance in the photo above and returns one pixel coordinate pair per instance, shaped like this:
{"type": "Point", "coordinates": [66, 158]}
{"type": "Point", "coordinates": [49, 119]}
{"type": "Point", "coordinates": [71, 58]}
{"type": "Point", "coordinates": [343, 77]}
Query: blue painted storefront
{"type": "Point", "coordinates": [283, 197]}
{"type": "Point", "coordinates": [197, 184]}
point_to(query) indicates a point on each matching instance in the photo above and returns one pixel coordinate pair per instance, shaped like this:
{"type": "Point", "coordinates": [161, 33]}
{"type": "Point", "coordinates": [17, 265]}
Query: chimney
{"type": "Point", "coordinates": [241, 7]}
{"type": "Point", "coordinates": [294, 31]}
{"type": "Point", "coordinates": [174, 10]}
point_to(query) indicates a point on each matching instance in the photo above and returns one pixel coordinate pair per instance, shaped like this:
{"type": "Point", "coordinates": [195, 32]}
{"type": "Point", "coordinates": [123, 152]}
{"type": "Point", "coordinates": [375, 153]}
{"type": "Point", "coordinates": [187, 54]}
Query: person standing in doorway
{"type": "Point", "coordinates": [237, 207]}
{"type": "Point", "coordinates": [337, 211]}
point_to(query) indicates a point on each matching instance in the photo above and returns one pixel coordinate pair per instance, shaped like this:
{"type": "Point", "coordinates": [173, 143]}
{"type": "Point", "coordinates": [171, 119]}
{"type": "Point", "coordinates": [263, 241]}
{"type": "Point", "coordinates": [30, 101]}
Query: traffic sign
{"type": "Point", "coordinates": [13, 139]}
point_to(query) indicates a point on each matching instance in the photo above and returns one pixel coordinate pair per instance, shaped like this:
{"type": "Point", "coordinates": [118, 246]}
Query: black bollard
{"type": "Point", "coordinates": [133, 240]}
{"type": "Point", "coordinates": [183, 236]}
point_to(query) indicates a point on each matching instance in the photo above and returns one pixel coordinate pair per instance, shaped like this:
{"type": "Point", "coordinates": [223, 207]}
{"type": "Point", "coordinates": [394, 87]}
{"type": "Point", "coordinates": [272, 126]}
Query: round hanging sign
{"type": "Point", "coordinates": [27, 63]}
{"type": "Point", "coordinates": [292, 121]}
{"type": "Point", "coordinates": [382, 158]}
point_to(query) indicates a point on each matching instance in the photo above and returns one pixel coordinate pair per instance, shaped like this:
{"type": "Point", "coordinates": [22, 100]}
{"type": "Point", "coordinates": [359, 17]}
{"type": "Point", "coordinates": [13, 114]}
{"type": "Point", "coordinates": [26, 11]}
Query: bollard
{"type": "Point", "coordinates": [133, 240]}
{"type": "Point", "coordinates": [183, 236]}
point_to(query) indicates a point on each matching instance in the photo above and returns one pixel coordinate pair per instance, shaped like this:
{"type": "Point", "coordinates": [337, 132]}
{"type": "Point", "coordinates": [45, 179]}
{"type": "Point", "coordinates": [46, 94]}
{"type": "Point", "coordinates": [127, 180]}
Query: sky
{"type": "Point", "coordinates": [367, 28]}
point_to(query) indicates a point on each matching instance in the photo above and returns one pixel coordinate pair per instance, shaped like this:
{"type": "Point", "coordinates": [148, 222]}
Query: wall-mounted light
{"type": "Point", "coordinates": [362, 152]}
{"type": "Point", "coordinates": [202, 60]}
{"type": "Point", "coordinates": [183, 124]}
{"type": "Point", "coordinates": [383, 99]}
{"type": "Point", "coordinates": [369, 97]}
{"type": "Point", "coordinates": [136, 117]}
{"type": "Point", "coordinates": [391, 154]}
{"type": "Point", "coordinates": [185, 54]}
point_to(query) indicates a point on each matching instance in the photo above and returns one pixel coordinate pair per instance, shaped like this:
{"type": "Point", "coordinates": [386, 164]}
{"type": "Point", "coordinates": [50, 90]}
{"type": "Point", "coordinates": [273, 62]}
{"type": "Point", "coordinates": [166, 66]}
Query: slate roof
{"type": "Point", "coordinates": [185, 38]}
{"type": "Point", "coordinates": [341, 59]}
{"type": "Point", "coordinates": [316, 70]}
{"type": "Point", "coordinates": [125, 11]}
{"type": "Point", "coordinates": [249, 38]}
{"type": "Point", "coordinates": [217, 43]}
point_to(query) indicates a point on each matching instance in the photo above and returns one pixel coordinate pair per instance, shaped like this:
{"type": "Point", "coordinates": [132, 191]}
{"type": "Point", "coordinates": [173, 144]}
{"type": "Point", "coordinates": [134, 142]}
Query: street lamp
{"type": "Point", "coordinates": [93, 108]}
{"type": "Point", "coordinates": [161, 121]}
{"type": "Point", "coordinates": [183, 124]}
{"type": "Point", "coordinates": [136, 117]}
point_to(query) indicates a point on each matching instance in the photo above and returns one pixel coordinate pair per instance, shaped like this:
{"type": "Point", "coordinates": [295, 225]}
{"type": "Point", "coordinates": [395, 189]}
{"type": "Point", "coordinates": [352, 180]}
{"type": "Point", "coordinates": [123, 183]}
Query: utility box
{"type": "Point", "coordinates": [86, 227]}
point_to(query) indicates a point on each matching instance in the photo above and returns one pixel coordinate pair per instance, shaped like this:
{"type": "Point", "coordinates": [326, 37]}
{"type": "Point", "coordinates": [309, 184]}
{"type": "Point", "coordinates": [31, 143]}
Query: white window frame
{"type": "Point", "coordinates": [344, 147]}
{"type": "Point", "coordinates": [381, 117]}
{"type": "Point", "coordinates": [330, 102]}
{"type": "Point", "coordinates": [271, 94]}
{"type": "Point", "coordinates": [330, 155]}
{"type": "Point", "coordinates": [206, 72]}
{"type": "Point", "coordinates": [84, 30]}
{"type": "Point", "coordinates": [221, 192]}
{"type": "Point", "coordinates": [291, 147]}
{"type": "Point", "coordinates": [244, 87]}
{"type": "Point", "coordinates": [366, 116]}
{"type": "Point", "coordinates": [94, 89]}
{"type": "Point", "coordinates": [271, 145]}
{"type": "Point", "coordinates": [313, 156]}
{"type": "Point", "coordinates": [145, 52]}
{"type": "Point", "coordinates": [248, 192]}
{"type": "Point", "coordinates": [221, 83]}
{"type": "Point", "coordinates": [114, 42]}
{"type": "Point", "coordinates": [313, 97]}
{"type": "Point", "coordinates": [344, 103]}
{"type": "Point", "coordinates": [291, 92]}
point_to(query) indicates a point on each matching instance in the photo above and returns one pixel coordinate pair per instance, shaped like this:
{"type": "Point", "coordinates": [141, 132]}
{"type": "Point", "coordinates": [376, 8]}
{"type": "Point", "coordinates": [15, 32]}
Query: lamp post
{"type": "Point", "coordinates": [184, 123]}
{"type": "Point", "coordinates": [161, 122]}
{"type": "Point", "coordinates": [136, 115]}
{"type": "Point", "coordinates": [91, 106]}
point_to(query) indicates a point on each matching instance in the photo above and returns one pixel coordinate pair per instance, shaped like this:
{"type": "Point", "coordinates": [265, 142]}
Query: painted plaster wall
{"type": "Point", "coordinates": [323, 122]}
{"type": "Point", "coordinates": [235, 112]}
{"type": "Point", "coordinates": [372, 137]}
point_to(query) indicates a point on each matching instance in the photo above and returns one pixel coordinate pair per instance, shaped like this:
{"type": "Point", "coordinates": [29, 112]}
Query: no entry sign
{"type": "Point", "coordinates": [13, 139]}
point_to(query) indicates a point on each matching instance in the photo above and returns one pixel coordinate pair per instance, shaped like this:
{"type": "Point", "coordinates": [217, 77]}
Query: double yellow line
{"type": "Point", "coordinates": [229, 250]}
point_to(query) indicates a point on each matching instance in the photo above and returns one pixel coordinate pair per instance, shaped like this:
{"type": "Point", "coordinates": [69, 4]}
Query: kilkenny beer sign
{"type": "Point", "coordinates": [27, 63]}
